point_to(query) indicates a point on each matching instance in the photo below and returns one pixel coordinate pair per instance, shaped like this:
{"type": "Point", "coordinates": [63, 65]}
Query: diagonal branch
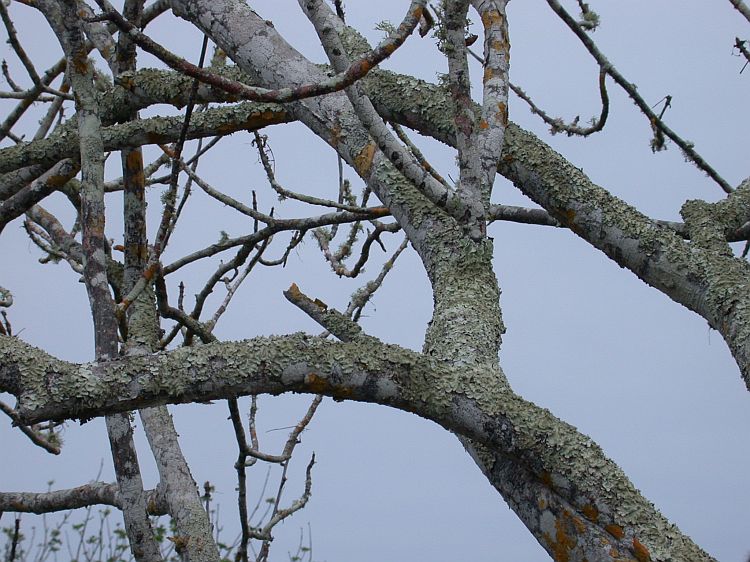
{"type": "Point", "coordinates": [46, 442]}
{"type": "Point", "coordinates": [686, 147]}
{"type": "Point", "coordinates": [345, 78]}
{"type": "Point", "coordinates": [741, 7]}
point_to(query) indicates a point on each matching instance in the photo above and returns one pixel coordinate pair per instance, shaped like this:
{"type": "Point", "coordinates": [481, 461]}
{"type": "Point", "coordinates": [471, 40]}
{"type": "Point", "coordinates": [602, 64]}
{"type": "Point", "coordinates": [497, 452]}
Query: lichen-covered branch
{"type": "Point", "coordinates": [63, 17]}
{"type": "Point", "coordinates": [156, 130]}
{"type": "Point", "coordinates": [710, 284]}
{"type": "Point", "coordinates": [93, 493]}
{"type": "Point", "coordinates": [466, 326]}
{"type": "Point", "coordinates": [345, 78]}
{"type": "Point", "coordinates": [363, 370]}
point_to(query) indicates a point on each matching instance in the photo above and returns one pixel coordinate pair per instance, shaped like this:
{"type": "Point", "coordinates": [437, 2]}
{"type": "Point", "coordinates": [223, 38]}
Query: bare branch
{"type": "Point", "coordinates": [340, 325]}
{"type": "Point", "coordinates": [25, 60]}
{"type": "Point", "coordinates": [336, 260]}
{"type": "Point", "coordinates": [93, 493]}
{"type": "Point", "coordinates": [167, 219]}
{"type": "Point", "coordinates": [686, 147]}
{"type": "Point", "coordinates": [261, 142]}
{"type": "Point", "coordinates": [558, 125]}
{"type": "Point", "coordinates": [418, 155]}
{"type": "Point", "coordinates": [25, 198]}
{"type": "Point", "coordinates": [345, 77]}
{"type": "Point", "coordinates": [362, 296]}
{"type": "Point", "coordinates": [741, 8]}
{"type": "Point", "coordinates": [280, 514]}
{"type": "Point", "coordinates": [13, 117]}
{"type": "Point", "coordinates": [49, 442]}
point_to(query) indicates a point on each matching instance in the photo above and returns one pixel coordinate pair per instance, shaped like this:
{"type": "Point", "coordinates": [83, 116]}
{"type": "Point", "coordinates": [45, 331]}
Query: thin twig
{"type": "Point", "coordinates": [687, 147]}
{"type": "Point", "coordinates": [31, 431]}
{"type": "Point", "coordinates": [25, 60]}
{"type": "Point", "coordinates": [558, 125]}
{"type": "Point", "coordinates": [355, 71]}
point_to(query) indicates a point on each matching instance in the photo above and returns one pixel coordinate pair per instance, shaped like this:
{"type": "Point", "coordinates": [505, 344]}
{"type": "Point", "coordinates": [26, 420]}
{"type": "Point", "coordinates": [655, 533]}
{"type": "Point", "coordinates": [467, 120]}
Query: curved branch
{"type": "Point", "coordinates": [687, 147]}
{"type": "Point", "coordinates": [557, 125]}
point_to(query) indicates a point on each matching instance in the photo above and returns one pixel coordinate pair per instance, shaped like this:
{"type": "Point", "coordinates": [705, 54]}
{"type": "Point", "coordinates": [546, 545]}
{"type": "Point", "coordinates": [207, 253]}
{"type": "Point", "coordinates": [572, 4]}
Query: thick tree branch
{"type": "Point", "coordinates": [156, 130]}
{"type": "Point", "coordinates": [364, 370]}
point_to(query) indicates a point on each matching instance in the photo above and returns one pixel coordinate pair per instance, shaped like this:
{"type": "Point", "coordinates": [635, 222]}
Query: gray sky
{"type": "Point", "coordinates": [644, 377]}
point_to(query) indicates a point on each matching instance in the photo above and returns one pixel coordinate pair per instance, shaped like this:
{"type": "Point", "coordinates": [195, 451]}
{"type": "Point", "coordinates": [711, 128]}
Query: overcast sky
{"type": "Point", "coordinates": [644, 377]}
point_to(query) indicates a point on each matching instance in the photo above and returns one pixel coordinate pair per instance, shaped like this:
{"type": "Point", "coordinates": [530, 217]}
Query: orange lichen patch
{"type": "Point", "coordinates": [542, 503]}
{"type": "Point", "coordinates": [502, 113]}
{"type": "Point", "coordinates": [590, 512]}
{"type": "Point", "coordinates": [363, 161]}
{"type": "Point", "coordinates": [126, 81]}
{"type": "Point", "coordinates": [579, 524]}
{"type": "Point", "coordinates": [498, 45]}
{"type": "Point", "coordinates": [483, 124]}
{"type": "Point", "coordinates": [151, 271]}
{"type": "Point", "coordinates": [568, 216]}
{"type": "Point", "coordinates": [488, 74]}
{"type": "Point", "coordinates": [81, 63]}
{"type": "Point", "coordinates": [335, 135]}
{"type": "Point", "coordinates": [546, 478]}
{"type": "Point", "coordinates": [380, 211]}
{"type": "Point", "coordinates": [134, 162]}
{"type": "Point", "coordinates": [294, 291]}
{"type": "Point", "coordinates": [58, 181]}
{"type": "Point", "coordinates": [615, 530]}
{"type": "Point", "coordinates": [319, 385]}
{"type": "Point", "coordinates": [179, 542]}
{"type": "Point", "coordinates": [641, 552]}
{"type": "Point", "coordinates": [151, 506]}
{"type": "Point", "coordinates": [139, 250]}
{"type": "Point", "coordinates": [365, 66]}
{"type": "Point", "coordinates": [565, 539]}
{"type": "Point", "coordinates": [491, 17]}
{"type": "Point", "coordinates": [258, 120]}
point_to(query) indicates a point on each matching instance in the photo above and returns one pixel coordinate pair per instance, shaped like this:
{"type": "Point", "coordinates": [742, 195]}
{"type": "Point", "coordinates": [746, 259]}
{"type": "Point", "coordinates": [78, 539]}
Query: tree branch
{"type": "Point", "coordinates": [93, 493]}
{"type": "Point", "coordinates": [364, 370]}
